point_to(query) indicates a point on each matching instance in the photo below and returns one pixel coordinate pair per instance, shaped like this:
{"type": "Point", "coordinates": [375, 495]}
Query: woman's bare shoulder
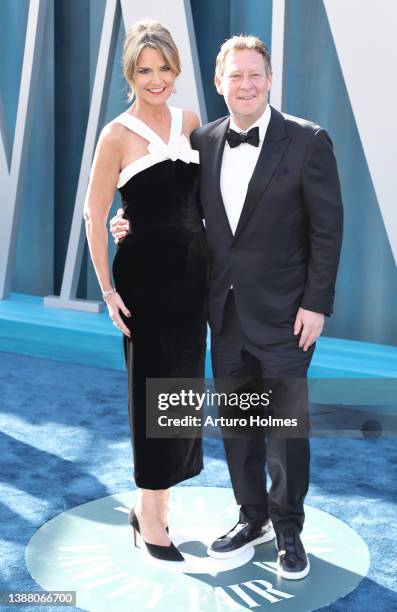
{"type": "Point", "coordinates": [191, 121]}
{"type": "Point", "coordinates": [112, 133]}
{"type": "Point", "coordinates": [117, 138]}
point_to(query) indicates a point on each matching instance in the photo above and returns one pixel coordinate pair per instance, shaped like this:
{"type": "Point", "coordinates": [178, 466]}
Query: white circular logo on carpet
{"type": "Point", "coordinates": [89, 549]}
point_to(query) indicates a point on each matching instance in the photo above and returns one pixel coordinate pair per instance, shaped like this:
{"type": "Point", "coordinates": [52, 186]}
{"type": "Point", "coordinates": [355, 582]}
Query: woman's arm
{"type": "Point", "coordinates": [190, 122]}
{"type": "Point", "coordinates": [100, 193]}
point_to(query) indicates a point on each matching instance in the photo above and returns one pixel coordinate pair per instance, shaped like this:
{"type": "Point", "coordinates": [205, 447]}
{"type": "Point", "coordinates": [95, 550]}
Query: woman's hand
{"type": "Point", "coordinates": [119, 227]}
{"type": "Point", "coordinates": [115, 304]}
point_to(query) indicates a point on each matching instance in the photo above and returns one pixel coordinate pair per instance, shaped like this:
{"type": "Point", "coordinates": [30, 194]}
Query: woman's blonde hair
{"type": "Point", "coordinates": [152, 34]}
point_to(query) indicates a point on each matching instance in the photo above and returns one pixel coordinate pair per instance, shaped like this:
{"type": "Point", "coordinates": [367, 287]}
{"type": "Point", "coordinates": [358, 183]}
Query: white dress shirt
{"type": "Point", "coordinates": [237, 168]}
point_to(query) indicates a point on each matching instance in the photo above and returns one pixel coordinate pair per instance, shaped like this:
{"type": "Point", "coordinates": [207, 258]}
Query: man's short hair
{"type": "Point", "coordinates": [241, 42]}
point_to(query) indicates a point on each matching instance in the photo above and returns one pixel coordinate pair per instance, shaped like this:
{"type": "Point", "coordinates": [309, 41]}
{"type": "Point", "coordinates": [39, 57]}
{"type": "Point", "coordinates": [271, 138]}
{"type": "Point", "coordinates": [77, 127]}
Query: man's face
{"type": "Point", "coordinates": [244, 85]}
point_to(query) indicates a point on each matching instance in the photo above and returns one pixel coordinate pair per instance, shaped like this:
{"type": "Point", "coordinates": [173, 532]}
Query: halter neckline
{"type": "Point", "coordinates": [178, 146]}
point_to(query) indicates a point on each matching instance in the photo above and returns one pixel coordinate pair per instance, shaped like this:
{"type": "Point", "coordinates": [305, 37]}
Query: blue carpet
{"type": "Point", "coordinates": [64, 440]}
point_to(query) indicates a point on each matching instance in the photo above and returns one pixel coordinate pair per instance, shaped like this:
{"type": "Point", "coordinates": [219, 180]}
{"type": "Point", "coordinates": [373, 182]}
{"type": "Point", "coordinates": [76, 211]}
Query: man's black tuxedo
{"type": "Point", "coordinates": [285, 251]}
{"type": "Point", "coordinates": [283, 255]}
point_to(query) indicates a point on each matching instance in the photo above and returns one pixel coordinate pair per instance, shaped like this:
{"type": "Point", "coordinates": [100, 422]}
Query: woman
{"type": "Point", "coordinates": [160, 268]}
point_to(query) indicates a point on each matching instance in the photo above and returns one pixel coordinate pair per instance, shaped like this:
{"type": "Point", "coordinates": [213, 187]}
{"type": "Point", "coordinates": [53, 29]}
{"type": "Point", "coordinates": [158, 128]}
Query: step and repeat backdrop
{"type": "Point", "coordinates": [61, 80]}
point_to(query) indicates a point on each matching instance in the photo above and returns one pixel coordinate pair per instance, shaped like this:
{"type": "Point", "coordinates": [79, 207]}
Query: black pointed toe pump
{"type": "Point", "coordinates": [165, 553]}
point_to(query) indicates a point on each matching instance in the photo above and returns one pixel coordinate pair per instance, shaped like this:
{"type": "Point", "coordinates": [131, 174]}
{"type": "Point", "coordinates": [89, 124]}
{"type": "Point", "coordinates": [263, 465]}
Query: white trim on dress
{"type": "Point", "coordinates": [178, 146]}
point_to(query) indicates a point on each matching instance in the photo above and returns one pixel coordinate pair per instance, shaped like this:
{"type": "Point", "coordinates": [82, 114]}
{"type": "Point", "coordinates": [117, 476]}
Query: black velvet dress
{"type": "Point", "coordinates": [160, 270]}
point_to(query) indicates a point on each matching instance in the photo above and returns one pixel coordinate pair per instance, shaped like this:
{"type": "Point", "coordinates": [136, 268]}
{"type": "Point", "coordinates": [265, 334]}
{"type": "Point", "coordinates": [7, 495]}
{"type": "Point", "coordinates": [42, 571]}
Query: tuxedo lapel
{"type": "Point", "coordinates": [216, 145]}
{"type": "Point", "coordinates": [273, 148]}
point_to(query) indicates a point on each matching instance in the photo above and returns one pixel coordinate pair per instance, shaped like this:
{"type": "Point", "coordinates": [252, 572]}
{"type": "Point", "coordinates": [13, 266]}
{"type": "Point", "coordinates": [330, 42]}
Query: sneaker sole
{"type": "Point", "coordinates": [293, 575]}
{"type": "Point", "coordinates": [267, 537]}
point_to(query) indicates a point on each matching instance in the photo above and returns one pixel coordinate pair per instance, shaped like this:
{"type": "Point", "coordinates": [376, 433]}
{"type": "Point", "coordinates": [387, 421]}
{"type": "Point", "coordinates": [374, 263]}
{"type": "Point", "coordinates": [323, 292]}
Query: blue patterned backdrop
{"type": "Point", "coordinates": [366, 296]}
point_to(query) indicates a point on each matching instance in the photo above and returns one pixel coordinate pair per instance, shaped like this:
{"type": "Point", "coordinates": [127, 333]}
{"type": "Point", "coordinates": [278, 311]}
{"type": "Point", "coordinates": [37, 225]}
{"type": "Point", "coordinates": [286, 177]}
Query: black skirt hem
{"type": "Point", "coordinates": [155, 486]}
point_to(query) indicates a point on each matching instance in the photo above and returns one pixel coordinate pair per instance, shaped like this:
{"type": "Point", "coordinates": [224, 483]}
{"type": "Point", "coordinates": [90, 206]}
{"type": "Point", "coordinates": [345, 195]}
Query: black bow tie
{"type": "Point", "coordinates": [236, 138]}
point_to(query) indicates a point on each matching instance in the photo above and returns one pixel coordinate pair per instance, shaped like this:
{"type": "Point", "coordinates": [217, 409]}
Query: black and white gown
{"type": "Point", "coordinates": [160, 270]}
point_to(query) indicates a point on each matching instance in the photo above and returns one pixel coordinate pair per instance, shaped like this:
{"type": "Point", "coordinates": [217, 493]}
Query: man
{"type": "Point", "coordinates": [271, 200]}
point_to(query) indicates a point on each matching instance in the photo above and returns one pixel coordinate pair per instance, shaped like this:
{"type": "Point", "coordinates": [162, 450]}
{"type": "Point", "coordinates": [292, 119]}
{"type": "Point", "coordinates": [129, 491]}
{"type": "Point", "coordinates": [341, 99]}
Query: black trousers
{"type": "Point", "coordinates": [287, 458]}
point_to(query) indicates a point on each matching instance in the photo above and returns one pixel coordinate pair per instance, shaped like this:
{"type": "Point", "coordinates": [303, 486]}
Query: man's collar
{"type": "Point", "coordinates": [262, 123]}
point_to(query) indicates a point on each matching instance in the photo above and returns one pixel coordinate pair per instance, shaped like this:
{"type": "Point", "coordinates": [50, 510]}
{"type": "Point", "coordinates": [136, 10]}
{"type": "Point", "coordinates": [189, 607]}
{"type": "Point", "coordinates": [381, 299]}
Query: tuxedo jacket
{"type": "Point", "coordinates": [285, 251]}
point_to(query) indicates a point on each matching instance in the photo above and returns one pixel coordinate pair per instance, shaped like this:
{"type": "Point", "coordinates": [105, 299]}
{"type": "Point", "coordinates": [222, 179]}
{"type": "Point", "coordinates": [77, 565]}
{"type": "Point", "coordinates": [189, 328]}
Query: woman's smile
{"type": "Point", "coordinates": [156, 90]}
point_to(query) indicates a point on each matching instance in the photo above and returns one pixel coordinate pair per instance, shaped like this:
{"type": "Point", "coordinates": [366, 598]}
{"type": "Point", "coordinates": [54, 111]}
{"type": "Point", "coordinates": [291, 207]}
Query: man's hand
{"type": "Point", "coordinates": [310, 324]}
{"type": "Point", "coordinates": [119, 227]}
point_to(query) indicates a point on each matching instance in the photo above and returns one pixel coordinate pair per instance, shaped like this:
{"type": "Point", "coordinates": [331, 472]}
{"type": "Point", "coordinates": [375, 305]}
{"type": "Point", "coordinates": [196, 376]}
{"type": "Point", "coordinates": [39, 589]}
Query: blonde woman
{"type": "Point", "coordinates": [159, 297]}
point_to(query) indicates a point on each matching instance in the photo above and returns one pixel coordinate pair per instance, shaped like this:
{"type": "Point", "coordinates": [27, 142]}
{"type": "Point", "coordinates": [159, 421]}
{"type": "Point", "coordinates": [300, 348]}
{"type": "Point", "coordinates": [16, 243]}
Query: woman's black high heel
{"type": "Point", "coordinates": [165, 553]}
{"type": "Point", "coordinates": [131, 515]}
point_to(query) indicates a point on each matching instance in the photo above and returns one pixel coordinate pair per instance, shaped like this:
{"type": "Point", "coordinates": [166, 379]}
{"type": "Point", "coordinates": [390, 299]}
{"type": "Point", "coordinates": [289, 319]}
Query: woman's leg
{"type": "Point", "coordinates": [152, 512]}
{"type": "Point", "coordinates": [166, 497]}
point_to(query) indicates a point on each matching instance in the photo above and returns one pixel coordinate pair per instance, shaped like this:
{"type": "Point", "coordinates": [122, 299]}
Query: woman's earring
{"type": "Point", "coordinates": [174, 89]}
